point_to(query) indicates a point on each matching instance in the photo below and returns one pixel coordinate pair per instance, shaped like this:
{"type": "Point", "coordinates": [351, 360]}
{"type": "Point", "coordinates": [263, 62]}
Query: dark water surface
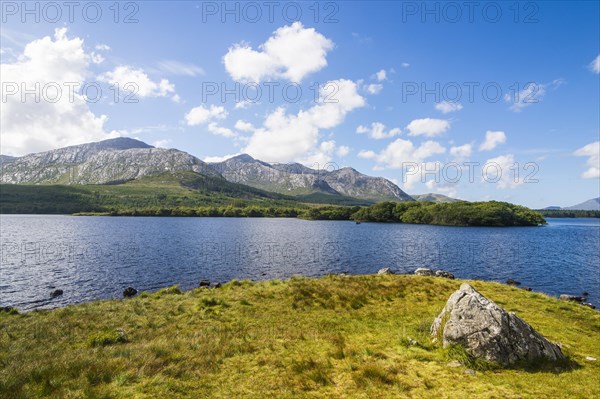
{"type": "Point", "coordinates": [97, 257]}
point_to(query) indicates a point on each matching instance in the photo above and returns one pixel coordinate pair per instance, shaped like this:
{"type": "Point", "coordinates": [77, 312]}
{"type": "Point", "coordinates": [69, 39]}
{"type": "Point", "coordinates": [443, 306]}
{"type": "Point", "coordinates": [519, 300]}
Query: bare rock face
{"type": "Point", "coordinates": [487, 331]}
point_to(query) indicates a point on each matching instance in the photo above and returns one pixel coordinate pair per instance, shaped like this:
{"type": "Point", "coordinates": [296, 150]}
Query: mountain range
{"type": "Point", "coordinates": [121, 160]}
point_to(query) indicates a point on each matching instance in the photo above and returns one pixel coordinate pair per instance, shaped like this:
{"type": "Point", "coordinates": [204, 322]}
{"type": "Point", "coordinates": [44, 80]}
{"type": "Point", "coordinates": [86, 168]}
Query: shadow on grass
{"type": "Point", "coordinates": [460, 354]}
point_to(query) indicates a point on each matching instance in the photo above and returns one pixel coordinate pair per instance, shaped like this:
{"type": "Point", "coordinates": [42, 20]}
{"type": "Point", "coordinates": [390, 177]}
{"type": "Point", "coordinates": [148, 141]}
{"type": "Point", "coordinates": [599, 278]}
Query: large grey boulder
{"type": "Point", "coordinates": [488, 332]}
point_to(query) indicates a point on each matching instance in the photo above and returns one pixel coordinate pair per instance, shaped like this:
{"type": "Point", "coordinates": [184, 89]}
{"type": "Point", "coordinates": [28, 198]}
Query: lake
{"type": "Point", "coordinates": [97, 257]}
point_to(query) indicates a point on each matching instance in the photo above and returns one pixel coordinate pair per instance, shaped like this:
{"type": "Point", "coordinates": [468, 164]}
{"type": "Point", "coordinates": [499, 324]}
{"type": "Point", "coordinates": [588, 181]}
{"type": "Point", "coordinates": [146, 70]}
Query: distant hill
{"type": "Point", "coordinates": [432, 197]}
{"type": "Point", "coordinates": [589, 205]}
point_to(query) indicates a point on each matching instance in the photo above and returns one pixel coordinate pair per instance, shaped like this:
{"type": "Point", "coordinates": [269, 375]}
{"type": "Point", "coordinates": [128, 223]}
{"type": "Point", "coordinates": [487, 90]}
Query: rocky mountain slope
{"type": "Point", "coordinates": [297, 179]}
{"type": "Point", "coordinates": [120, 160]}
{"type": "Point", "coordinates": [109, 161]}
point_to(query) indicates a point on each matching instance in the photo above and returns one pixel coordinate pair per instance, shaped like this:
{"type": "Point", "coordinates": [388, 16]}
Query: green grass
{"type": "Point", "coordinates": [333, 337]}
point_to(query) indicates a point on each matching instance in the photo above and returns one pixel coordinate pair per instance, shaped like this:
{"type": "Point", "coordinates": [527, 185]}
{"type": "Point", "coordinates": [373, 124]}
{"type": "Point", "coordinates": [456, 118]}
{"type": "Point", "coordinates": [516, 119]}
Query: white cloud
{"type": "Point", "coordinates": [595, 65]}
{"type": "Point", "coordinates": [180, 68]}
{"type": "Point", "coordinates": [492, 139]}
{"type": "Point", "coordinates": [381, 75]}
{"type": "Point", "coordinates": [532, 93]}
{"type": "Point", "coordinates": [243, 104]}
{"type": "Point", "coordinates": [219, 159]}
{"type": "Point", "coordinates": [399, 152]}
{"type": "Point", "coordinates": [137, 82]}
{"type": "Point", "coordinates": [448, 189]}
{"type": "Point", "coordinates": [161, 143]}
{"type": "Point", "coordinates": [377, 131]}
{"type": "Point", "coordinates": [214, 128]}
{"type": "Point", "coordinates": [367, 154]}
{"type": "Point", "coordinates": [284, 137]}
{"type": "Point", "coordinates": [102, 47]}
{"type": "Point", "coordinates": [292, 52]}
{"type": "Point", "coordinates": [201, 115]}
{"type": "Point", "coordinates": [405, 65]}
{"type": "Point", "coordinates": [446, 107]}
{"type": "Point", "coordinates": [501, 171]}
{"type": "Point", "coordinates": [343, 150]}
{"type": "Point", "coordinates": [592, 151]}
{"type": "Point", "coordinates": [373, 88]}
{"type": "Point", "coordinates": [461, 152]}
{"type": "Point", "coordinates": [56, 120]}
{"type": "Point", "coordinates": [427, 127]}
{"type": "Point", "coordinates": [244, 126]}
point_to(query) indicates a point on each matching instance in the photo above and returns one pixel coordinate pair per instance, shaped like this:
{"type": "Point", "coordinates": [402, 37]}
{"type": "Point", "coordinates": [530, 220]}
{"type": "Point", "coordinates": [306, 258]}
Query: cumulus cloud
{"type": "Point", "coordinates": [461, 152]}
{"type": "Point", "coordinates": [381, 75]}
{"type": "Point", "coordinates": [492, 139]}
{"type": "Point", "coordinates": [592, 151]}
{"type": "Point", "coordinates": [138, 82]}
{"type": "Point", "coordinates": [214, 128]}
{"type": "Point", "coordinates": [284, 137]}
{"type": "Point", "coordinates": [343, 150]}
{"type": "Point", "coordinates": [427, 127]}
{"type": "Point", "coordinates": [595, 65]}
{"type": "Point", "coordinates": [323, 154]}
{"type": "Point", "coordinates": [60, 118]}
{"type": "Point", "coordinates": [292, 52]}
{"type": "Point", "coordinates": [377, 131]}
{"type": "Point", "coordinates": [400, 152]}
{"type": "Point", "coordinates": [244, 126]}
{"type": "Point", "coordinates": [532, 93]}
{"type": "Point", "coordinates": [500, 171]}
{"type": "Point", "coordinates": [446, 107]}
{"type": "Point", "coordinates": [373, 88]}
{"type": "Point", "coordinates": [201, 115]}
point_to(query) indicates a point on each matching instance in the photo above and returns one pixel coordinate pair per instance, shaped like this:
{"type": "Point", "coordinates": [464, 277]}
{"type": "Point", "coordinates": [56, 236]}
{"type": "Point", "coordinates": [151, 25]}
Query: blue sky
{"type": "Point", "coordinates": [388, 71]}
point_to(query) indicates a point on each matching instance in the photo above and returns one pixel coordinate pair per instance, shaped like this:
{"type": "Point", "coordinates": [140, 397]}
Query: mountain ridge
{"type": "Point", "coordinates": [297, 179]}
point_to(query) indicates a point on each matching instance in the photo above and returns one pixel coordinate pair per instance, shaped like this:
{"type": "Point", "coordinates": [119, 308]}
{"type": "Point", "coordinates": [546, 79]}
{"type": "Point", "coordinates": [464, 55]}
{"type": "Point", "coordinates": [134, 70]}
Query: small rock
{"type": "Point", "coordinates": [510, 281]}
{"type": "Point", "coordinates": [454, 363]}
{"type": "Point", "coordinates": [129, 292]}
{"type": "Point", "coordinates": [217, 285]}
{"type": "Point", "coordinates": [470, 372]}
{"type": "Point", "coordinates": [573, 298]}
{"type": "Point", "coordinates": [56, 293]}
{"type": "Point", "coordinates": [585, 293]}
{"type": "Point", "coordinates": [385, 270]}
{"type": "Point", "coordinates": [423, 271]}
{"type": "Point", "coordinates": [445, 274]}
{"type": "Point", "coordinates": [589, 305]}
{"type": "Point", "coordinates": [204, 283]}
{"type": "Point", "coordinates": [591, 359]}
{"type": "Point", "coordinates": [527, 288]}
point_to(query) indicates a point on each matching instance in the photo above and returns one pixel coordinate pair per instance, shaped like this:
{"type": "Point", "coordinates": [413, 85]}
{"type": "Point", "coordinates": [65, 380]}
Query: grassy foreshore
{"type": "Point", "coordinates": [332, 337]}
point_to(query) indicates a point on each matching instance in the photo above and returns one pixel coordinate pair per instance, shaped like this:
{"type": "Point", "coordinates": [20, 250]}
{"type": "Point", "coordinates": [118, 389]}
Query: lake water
{"type": "Point", "coordinates": [97, 257]}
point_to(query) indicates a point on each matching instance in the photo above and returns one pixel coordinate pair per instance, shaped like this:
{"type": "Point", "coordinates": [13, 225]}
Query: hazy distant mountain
{"type": "Point", "coordinates": [589, 205]}
{"type": "Point", "coordinates": [108, 161]}
{"type": "Point", "coordinates": [432, 197]}
{"type": "Point", "coordinates": [297, 179]}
